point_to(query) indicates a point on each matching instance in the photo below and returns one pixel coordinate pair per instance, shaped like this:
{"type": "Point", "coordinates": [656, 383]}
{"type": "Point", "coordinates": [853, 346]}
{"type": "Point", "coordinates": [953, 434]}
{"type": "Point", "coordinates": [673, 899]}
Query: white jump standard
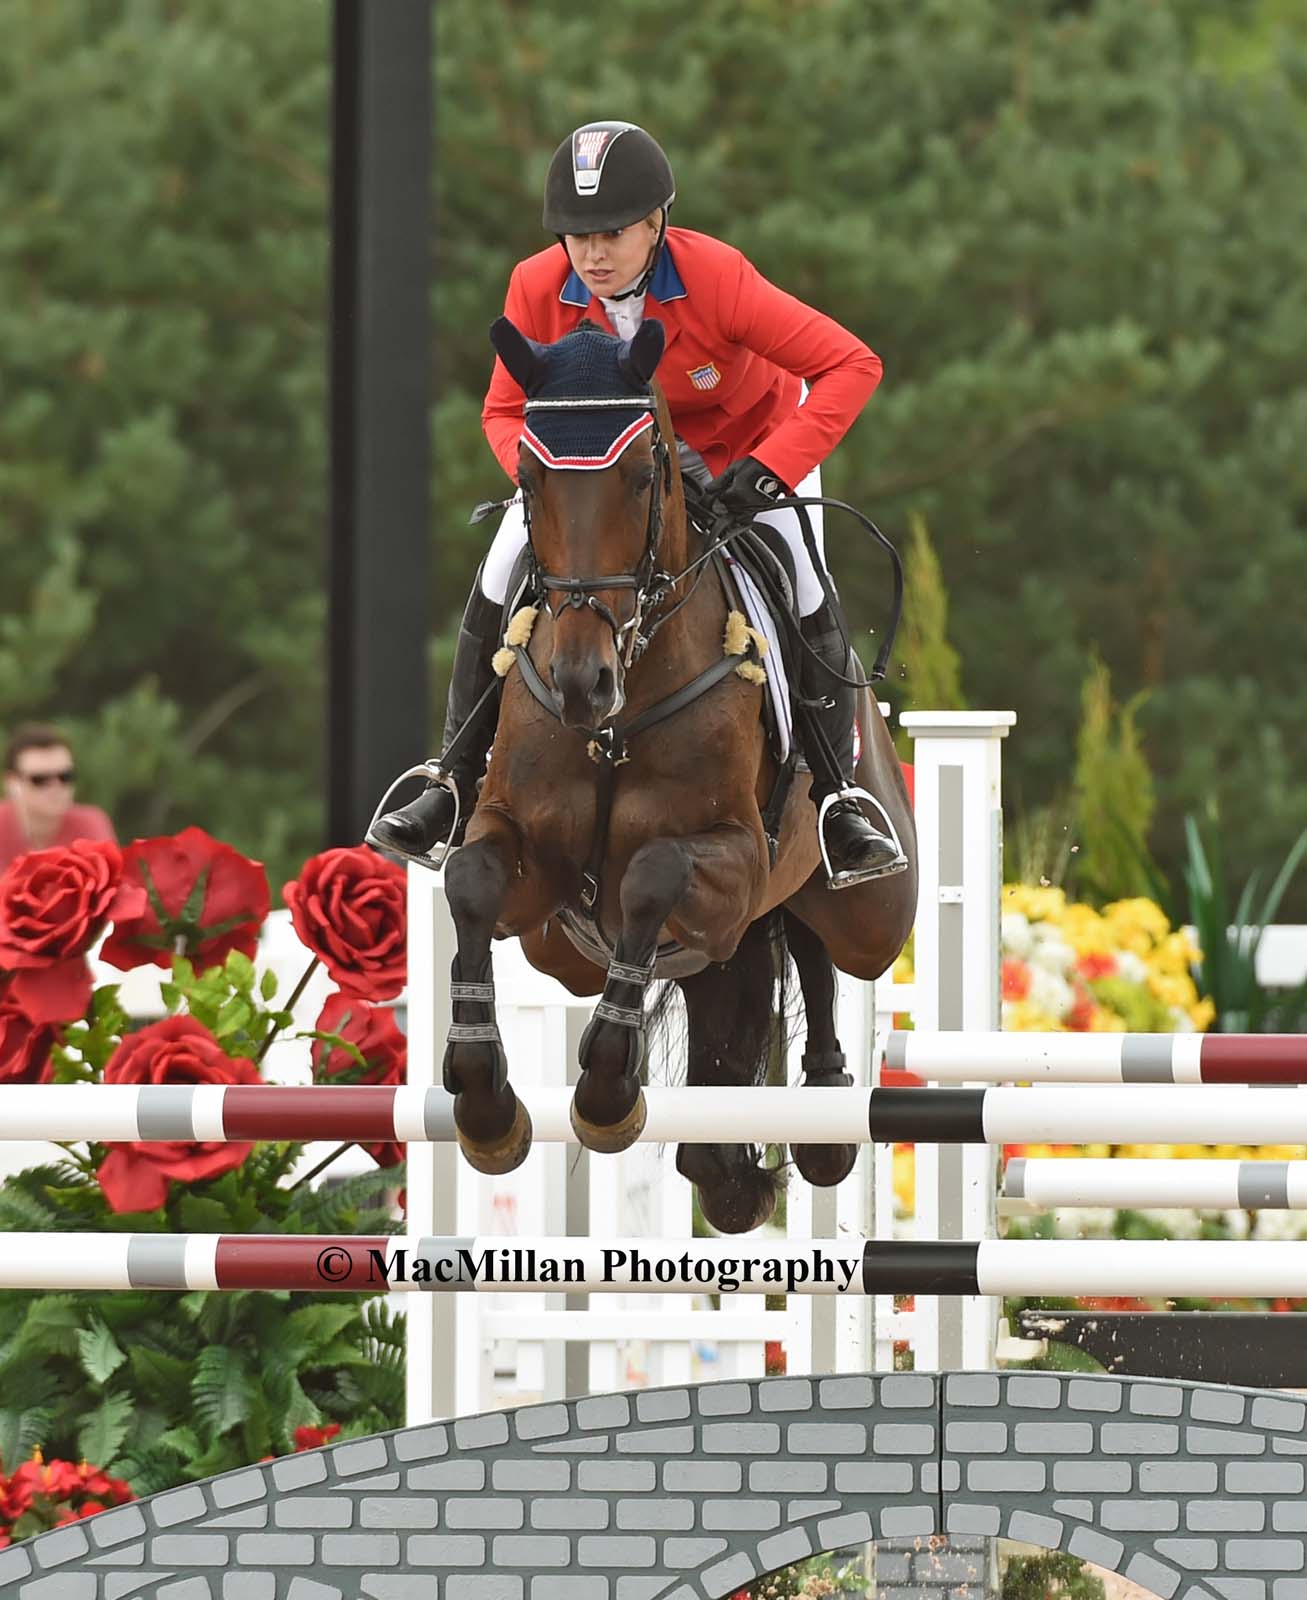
{"type": "Point", "coordinates": [1058, 1114]}
{"type": "Point", "coordinates": [1100, 1057]}
{"type": "Point", "coordinates": [1204, 1185]}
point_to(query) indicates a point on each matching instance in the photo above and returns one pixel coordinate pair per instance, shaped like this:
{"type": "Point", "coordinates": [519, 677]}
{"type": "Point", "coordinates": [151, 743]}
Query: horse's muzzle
{"type": "Point", "coordinates": [588, 693]}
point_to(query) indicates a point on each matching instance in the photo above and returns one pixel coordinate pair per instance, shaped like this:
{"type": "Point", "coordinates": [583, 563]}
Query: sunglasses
{"type": "Point", "coordinates": [39, 780]}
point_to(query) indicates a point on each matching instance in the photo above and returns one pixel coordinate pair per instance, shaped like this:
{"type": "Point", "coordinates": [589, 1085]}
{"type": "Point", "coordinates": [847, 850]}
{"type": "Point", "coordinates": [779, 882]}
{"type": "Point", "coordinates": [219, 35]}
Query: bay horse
{"type": "Point", "coordinates": [600, 799]}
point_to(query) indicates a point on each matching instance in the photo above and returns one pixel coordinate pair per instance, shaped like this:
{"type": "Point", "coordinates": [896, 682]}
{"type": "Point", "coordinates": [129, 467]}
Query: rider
{"type": "Point", "coordinates": [739, 354]}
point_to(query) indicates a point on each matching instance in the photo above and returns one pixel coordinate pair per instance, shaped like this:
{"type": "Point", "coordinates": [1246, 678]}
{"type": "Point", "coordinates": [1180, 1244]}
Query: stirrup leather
{"type": "Point", "coordinates": [435, 858]}
{"type": "Point", "coordinates": [846, 880]}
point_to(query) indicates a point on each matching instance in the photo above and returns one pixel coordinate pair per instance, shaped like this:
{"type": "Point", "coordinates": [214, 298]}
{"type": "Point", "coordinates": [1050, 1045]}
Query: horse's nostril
{"type": "Point", "coordinates": [603, 689]}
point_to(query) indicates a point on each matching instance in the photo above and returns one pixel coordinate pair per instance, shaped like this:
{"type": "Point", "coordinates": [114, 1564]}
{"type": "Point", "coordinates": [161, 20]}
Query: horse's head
{"type": "Point", "coordinates": [594, 468]}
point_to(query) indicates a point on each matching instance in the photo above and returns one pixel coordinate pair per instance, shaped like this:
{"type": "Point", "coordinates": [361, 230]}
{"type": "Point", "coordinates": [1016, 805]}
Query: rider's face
{"type": "Point", "coordinates": [607, 262]}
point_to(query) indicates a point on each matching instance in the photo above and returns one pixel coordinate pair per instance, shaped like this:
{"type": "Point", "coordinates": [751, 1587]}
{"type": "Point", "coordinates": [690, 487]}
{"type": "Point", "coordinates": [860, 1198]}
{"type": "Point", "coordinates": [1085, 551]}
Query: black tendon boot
{"type": "Point", "coordinates": [855, 849]}
{"type": "Point", "coordinates": [440, 813]}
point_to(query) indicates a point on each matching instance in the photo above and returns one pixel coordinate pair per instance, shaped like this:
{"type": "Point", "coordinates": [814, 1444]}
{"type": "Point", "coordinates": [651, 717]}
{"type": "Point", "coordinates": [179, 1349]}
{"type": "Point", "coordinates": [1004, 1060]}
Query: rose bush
{"type": "Point", "coordinates": [169, 1387]}
{"type": "Point", "coordinates": [374, 1033]}
{"type": "Point", "coordinates": [203, 900]}
{"type": "Point", "coordinates": [349, 907]}
{"type": "Point", "coordinates": [53, 906]}
{"type": "Point", "coordinates": [25, 1046]}
{"type": "Point", "coordinates": [135, 1177]}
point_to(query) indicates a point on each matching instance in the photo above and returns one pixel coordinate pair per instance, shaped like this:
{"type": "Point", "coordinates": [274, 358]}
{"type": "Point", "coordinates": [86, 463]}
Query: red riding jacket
{"type": "Point", "coordinates": [737, 347]}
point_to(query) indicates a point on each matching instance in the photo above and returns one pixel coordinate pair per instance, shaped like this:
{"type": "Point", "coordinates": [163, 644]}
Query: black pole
{"type": "Point", "coordinates": [380, 374]}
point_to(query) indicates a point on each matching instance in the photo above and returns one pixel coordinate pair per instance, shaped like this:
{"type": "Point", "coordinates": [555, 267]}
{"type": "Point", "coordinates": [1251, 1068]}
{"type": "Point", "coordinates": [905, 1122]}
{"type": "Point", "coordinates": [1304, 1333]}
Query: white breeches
{"type": "Point", "coordinates": [511, 536]}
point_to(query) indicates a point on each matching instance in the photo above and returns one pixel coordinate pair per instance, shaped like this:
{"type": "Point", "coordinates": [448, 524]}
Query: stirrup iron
{"type": "Point", "coordinates": [435, 858]}
{"type": "Point", "coordinates": [846, 880]}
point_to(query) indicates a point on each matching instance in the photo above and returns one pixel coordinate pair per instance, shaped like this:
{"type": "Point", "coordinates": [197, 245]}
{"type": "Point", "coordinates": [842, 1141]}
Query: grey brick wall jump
{"type": "Point", "coordinates": [688, 1493]}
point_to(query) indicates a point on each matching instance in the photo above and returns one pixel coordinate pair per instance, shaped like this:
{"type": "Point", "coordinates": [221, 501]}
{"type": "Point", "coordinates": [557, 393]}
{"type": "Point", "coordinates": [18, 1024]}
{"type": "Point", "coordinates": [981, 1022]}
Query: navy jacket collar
{"type": "Point", "coordinates": [665, 285]}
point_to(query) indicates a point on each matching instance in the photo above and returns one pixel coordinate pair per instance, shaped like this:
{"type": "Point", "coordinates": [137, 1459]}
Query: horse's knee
{"type": "Point", "coordinates": [655, 880]}
{"type": "Point", "coordinates": [475, 880]}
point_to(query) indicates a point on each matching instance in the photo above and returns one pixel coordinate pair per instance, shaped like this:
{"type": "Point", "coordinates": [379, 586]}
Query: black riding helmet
{"type": "Point", "coordinates": [607, 175]}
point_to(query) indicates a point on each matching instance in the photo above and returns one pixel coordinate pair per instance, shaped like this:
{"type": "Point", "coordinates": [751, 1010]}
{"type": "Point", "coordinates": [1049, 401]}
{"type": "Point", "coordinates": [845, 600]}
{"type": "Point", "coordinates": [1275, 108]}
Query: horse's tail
{"type": "Point", "coordinates": [761, 988]}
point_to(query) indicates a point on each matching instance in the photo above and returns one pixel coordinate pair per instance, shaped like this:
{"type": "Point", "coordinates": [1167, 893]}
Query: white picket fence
{"type": "Point", "coordinates": [470, 1352]}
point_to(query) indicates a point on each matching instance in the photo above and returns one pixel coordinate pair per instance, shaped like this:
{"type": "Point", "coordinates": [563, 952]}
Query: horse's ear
{"type": "Point", "coordinates": [518, 353]}
{"type": "Point", "coordinates": [640, 356]}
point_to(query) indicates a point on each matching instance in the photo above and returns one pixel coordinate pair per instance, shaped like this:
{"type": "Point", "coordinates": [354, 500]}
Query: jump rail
{"type": "Point", "coordinates": [1058, 1114]}
{"type": "Point", "coordinates": [528, 1264]}
{"type": "Point", "coordinates": [1204, 1185]}
{"type": "Point", "coordinates": [1156, 1058]}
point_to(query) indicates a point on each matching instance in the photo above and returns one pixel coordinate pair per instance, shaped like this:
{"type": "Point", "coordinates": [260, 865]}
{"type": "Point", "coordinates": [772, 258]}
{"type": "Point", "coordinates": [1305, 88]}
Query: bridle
{"type": "Point", "coordinates": [648, 581]}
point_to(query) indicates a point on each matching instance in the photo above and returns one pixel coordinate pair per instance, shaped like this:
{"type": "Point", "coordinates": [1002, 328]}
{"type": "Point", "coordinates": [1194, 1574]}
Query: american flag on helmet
{"type": "Point", "coordinates": [588, 148]}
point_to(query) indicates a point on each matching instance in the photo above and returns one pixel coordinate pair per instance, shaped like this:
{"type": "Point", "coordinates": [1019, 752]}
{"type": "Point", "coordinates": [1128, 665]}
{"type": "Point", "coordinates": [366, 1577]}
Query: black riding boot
{"type": "Point", "coordinates": [413, 830]}
{"type": "Point", "coordinates": [855, 848]}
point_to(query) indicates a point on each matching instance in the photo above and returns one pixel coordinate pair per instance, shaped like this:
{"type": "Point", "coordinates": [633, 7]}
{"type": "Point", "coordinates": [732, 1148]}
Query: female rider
{"type": "Point", "coordinates": [739, 353]}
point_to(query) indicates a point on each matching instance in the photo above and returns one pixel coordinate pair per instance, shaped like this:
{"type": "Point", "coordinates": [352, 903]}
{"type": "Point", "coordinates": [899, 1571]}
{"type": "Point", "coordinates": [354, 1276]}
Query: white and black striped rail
{"type": "Point", "coordinates": [530, 1265]}
{"type": "Point", "coordinates": [1056, 1114]}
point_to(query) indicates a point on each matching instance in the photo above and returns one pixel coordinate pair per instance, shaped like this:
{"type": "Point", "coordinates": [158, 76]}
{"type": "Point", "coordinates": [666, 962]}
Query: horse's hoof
{"type": "Point", "coordinates": [824, 1165]}
{"type": "Point", "coordinates": [616, 1137]}
{"type": "Point", "coordinates": [741, 1204]}
{"type": "Point", "coordinates": [505, 1154]}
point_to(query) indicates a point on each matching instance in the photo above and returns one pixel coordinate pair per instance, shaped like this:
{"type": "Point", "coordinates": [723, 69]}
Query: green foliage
{"type": "Point", "coordinates": [1051, 1576]}
{"type": "Point", "coordinates": [929, 669]}
{"type": "Point", "coordinates": [1072, 233]}
{"type": "Point", "coordinates": [164, 1388]}
{"type": "Point", "coordinates": [162, 461]}
{"type": "Point", "coordinates": [1230, 935]}
{"type": "Point", "coordinates": [1113, 795]}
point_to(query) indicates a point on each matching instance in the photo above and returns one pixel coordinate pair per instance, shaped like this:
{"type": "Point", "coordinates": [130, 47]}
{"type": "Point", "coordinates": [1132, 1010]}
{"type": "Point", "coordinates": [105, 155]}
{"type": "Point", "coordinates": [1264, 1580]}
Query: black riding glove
{"type": "Point", "coordinates": [747, 487]}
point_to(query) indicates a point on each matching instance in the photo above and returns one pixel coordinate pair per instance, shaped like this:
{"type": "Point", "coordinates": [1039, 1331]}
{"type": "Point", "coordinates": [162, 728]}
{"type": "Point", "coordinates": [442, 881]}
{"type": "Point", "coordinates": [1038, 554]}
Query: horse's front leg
{"type": "Point", "coordinates": [696, 884]}
{"type": "Point", "coordinates": [494, 1128]}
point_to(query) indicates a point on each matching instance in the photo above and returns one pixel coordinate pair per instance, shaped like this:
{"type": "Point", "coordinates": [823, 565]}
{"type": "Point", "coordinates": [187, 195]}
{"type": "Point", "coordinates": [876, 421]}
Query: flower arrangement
{"type": "Point", "coordinates": [1070, 968]}
{"type": "Point", "coordinates": [167, 1388]}
{"type": "Point", "coordinates": [50, 1494]}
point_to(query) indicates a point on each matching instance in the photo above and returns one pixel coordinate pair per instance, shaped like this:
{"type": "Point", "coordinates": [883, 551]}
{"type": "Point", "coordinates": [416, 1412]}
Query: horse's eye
{"type": "Point", "coordinates": [642, 480]}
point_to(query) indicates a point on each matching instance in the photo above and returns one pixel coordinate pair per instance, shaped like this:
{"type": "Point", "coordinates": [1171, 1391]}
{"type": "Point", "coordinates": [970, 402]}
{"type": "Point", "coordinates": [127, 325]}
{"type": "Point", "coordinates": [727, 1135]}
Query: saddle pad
{"type": "Point", "coordinates": [778, 688]}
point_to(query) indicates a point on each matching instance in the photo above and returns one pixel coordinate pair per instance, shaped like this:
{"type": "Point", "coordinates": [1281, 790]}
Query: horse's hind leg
{"type": "Point", "coordinates": [823, 1165]}
{"type": "Point", "coordinates": [729, 1009]}
{"type": "Point", "coordinates": [494, 1129]}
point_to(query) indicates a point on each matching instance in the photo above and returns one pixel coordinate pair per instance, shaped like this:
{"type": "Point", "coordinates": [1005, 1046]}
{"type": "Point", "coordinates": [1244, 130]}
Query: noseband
{"type": "Point", "coordinates": [648, 582]}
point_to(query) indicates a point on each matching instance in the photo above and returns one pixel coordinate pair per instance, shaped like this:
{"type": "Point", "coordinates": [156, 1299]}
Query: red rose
{"type": "Point", "coordinates": [204, 899]}
{"type": "Point", "coordinates": [25, 1045]}
{"type": "Point", "coordinates": [53, 904]}
{"type": "Point", "coordinates": [374, 1031]}
{"type": "Point", "coordinates": [310, 1438]}
{"type": "Point", "coordinates": [135, 1177]}
{"type": "Point", "coordinates": [349, 908]}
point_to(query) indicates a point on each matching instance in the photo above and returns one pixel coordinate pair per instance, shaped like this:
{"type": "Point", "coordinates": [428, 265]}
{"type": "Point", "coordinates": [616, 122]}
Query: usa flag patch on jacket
{"type": "Point", "coordinates": [706, 377]}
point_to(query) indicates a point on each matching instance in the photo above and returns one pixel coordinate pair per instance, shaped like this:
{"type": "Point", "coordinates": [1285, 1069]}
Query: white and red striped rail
{"type": "Point", "coordinates": [1142, 1058]}
{"type": "Point", "coordinates": [1139, 1185]}
{"type": "Point", "coordinates": [498, 1264]}
{"type": "Point", "coordinates": [1055, 1114]}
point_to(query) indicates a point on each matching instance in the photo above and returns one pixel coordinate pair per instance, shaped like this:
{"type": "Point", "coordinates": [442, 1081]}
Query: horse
{"type": "Point", "coordinates": [621, 829]}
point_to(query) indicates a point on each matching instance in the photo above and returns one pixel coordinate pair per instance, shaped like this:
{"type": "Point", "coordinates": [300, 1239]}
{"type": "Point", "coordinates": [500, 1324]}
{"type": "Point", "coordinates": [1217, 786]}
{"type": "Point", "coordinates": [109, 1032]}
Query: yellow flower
{"type": "Point", "coordinates": [1022, 1016]}
{"type": "Point", "coordinates": [1203, 1015]}
{"type": "Point", "coordinates": [903, 968]}
{"type": "Point", "coordinates": [1037, 904]}
{"type": "Point", "coordinates": [1139, 914]}
{"type": "Point", "coordinates": [905, 1175]}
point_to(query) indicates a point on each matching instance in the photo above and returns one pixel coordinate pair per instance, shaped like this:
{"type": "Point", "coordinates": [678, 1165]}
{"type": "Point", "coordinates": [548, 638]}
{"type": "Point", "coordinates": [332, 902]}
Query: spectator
{"type": "Point", "coordinates": [39, 811]}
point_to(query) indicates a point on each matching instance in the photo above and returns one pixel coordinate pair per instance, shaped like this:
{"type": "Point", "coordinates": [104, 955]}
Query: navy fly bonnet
{"type": "Point", "coordinates": [587, 396]}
